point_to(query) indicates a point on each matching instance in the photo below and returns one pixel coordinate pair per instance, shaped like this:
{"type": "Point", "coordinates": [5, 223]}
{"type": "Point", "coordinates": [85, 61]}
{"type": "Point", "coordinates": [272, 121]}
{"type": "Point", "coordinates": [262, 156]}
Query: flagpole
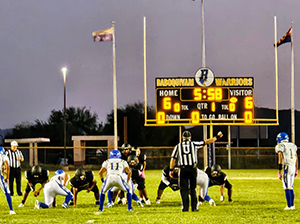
{"type": "Point", "coordinates": [276, 65]}
{"type": "Point", "coordinates": [292, 88]}
{"type": "Point", "coordinates": [145, 72]}
{"type": "Point", "coordinates": [115, 89]}
{"type": "Point", "coordinates": [205, 162]}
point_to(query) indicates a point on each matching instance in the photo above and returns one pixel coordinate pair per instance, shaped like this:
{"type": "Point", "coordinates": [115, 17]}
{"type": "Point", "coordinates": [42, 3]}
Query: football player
{"type": "Point", "coordinates": [83, 180]}
{"type": "Point", "coordinates": [217, 177]}
{"type": "Point", "coordinates": [114, 166]}
{"type": "Point", "coordinates": [167, 181]}
{"type": "Point", "coordinates": [34, 176]}
{"type": "Point", "coordinates": [202, 183]}
{"type": "Point", "coordinates": [142, 166]}
{"type": "Point", "coordinates": [3, 181]}
{"type": "Point", "coordinates": [287, 158]}
{"type": "Point", "coordinates": [56, 186]}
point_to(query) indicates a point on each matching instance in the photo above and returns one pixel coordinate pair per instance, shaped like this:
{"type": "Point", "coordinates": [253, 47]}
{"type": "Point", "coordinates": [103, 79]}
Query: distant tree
{"type": "Point", "coordinates": [137, 133]}
{"type": "Point", "coordinates": [80, 121]}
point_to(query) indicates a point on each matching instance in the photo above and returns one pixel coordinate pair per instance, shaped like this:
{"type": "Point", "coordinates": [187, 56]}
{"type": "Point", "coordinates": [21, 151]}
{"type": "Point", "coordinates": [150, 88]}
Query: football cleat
{"type": "Point", "coordinates": [287, 208]}
{"type": "Point", "coordinates": [139, 203]}
{"type": "Point", "coordinates": [97, 202]}
{"type": "Point", "coordinates": [148, 202]}
{"type": "Point", "coordinates": [12, 212]}
{"type": "Point", "coordinates": [109, 205]}
{"type": "Point", "coordinates": [71, 203]}
{"type": "Point", "coordinates": [37, 205]}
{"type": "Point", "coordinates": [293, 207]}
{"type": "Point", "coordinates": [21, 205]}
{"type": "Point", "coordinates": [157, 201]}
{"type": "Point", "coordinates": [64, 205]}
{"type": "Point", "coordinates": [130, 210]}
{"type": "Point", "coordinates": [212, 202]}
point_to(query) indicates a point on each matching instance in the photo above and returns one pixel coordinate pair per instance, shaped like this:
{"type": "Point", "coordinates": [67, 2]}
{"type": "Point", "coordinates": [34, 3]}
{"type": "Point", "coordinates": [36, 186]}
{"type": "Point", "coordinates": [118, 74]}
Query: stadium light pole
{"type": "Point", "coordinates": [64, 71]}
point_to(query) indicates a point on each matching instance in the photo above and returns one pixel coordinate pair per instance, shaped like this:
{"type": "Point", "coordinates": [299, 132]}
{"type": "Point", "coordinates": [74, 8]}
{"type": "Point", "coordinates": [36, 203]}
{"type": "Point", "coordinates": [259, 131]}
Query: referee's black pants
{"type": "Point", "coordinates": [188, 181]}
{"type": "Point", "coordinates": [15, 173]}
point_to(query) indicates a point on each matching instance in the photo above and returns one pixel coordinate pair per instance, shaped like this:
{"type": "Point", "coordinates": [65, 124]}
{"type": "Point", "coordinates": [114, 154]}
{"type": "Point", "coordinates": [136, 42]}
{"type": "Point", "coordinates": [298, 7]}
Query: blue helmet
{"type": "Point", "coordinates": [115, 154]}
{"type": "Point", "coordinates": [282, 136]}
{"type": "Point", "coordinates": [2, 151]}
{"type": "Point", "coordinates": [58, 172]}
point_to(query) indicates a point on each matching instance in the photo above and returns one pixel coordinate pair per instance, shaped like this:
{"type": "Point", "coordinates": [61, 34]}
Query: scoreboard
{"type": "Point", "coordinates": [204, 99]}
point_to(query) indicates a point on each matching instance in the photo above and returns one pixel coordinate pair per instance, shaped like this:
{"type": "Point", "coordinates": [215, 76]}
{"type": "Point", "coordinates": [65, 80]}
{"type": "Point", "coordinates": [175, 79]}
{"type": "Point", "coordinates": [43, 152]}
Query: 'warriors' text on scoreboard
{"type": "Point", "coordinates": [204, 99]}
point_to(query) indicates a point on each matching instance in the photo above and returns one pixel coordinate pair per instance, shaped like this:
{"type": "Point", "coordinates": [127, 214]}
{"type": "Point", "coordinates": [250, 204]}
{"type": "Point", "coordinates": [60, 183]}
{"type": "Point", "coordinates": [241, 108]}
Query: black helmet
{"type": "Point", "coordinates": [126, 146]}
{"type": "Point", "coordinates": [80, 173]}
{"type": "Point", "coordinates": [36, 170]}
{"type": "Point", "coordinates": [216, 169]}
{"type": "Point", "coordinates": [132, 159]}
{"type": "Point", "coordinates": [186, 136]}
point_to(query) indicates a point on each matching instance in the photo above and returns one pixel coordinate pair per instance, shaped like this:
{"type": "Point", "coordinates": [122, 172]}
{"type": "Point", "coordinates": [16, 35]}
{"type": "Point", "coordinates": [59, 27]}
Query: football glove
{"type": "Point", "coordinates": [296, 173]}
{"type": "Point", "coordinates": [222, 198]}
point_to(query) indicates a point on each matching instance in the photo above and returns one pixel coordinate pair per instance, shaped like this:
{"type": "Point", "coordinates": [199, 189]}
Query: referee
{"type": "Point", "coordinates": [186, 155]}
{"type": "Point", "coordinates": [15, 157]}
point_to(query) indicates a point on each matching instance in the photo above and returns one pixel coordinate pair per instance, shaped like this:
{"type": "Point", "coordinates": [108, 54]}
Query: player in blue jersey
{"type": "Point", "coordinates": [3, 181]}
{"type": "Point", "coordinates": [56, 186]}
{"type": "Point", "coordinates": [287, 159]}
{"type": "Point", "coordinates": [114, 167]}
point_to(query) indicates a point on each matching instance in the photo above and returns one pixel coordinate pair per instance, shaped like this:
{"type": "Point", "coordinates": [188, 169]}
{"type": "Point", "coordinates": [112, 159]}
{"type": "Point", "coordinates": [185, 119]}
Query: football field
{"type": "Point", "coordinates": [258, 197]}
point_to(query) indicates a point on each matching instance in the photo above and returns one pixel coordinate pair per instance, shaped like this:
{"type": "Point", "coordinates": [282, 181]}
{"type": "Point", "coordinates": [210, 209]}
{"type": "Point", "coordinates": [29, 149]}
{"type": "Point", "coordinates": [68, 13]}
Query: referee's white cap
{"type": "Point", "coordinates": [14, 143]}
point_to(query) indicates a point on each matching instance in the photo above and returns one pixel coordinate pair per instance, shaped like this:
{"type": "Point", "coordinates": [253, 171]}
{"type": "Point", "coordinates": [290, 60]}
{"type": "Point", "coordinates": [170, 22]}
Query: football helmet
{"type": "Point", "coordinates": [282, 136]}
{"type": "Point", "coordinates": [216, 169]}
{"type": "Point", "coordinates": [2, 151]}
{"type": "Point", "coordinates": [58, 172]}
{"type": "Point", "coordinates": [80, 173]}
{"type": "Point", "coordinates": [132, 159]}
{"type": "Point", "coordinates": [115, 154]}
{"type": "Point", "coordinates": [36, 170]}
{"type": "Point", "coordinates": [186, 136]}
{"type": "Point", "coordinates": [126, 146]}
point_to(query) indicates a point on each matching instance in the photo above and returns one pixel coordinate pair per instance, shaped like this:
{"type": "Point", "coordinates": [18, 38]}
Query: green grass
{"type": "Point", "coordinates": [257, 194]}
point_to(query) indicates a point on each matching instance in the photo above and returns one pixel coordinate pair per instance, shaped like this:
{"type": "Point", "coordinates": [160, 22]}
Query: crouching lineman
{"type": "Point", "coordinates": [287, 157]}
{"type": "Point", "coordinates": [36, 175]}
{"type": "Point", "coordinates": [3, 182]}
{"type": "Point", "coordinates": [84, 180]}
{"type": "Point", "coordinates": [167, 181]}
{"type": "Point", "coordinates": [56, 186]}
{"type": "Point", "coordinates": [217, 177]}
{"type": "Point", "coordinates": [202, 183]}
{"type": "Point", "coordinates": [114, 167]}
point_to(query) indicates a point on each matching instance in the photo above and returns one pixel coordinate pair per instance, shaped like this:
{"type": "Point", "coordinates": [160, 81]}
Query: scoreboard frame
{"type": "Point", "coordinates": [205, 100]}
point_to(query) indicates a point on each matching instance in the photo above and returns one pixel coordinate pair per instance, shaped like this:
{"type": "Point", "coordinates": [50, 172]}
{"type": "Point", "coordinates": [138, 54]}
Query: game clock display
{"type": "Point", "coordinates": [191, 101]}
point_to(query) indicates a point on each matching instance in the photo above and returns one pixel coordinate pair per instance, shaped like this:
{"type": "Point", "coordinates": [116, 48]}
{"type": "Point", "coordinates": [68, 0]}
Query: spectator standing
{"type": "Point", "coordinates": [15, 157]}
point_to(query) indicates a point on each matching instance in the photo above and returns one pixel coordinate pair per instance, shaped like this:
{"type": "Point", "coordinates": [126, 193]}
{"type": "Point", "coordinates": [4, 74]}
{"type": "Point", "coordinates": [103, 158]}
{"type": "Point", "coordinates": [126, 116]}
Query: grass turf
{"type": "Point", "coordinates": [258, 197]}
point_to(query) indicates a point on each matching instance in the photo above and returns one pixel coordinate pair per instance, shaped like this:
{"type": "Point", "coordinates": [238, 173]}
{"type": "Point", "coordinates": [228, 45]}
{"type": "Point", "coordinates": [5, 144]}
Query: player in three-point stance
{"type": "Point", "coordinates": [56, 186]}
{"type": "Point", "coordinates": [114, 166]}
{"type": "Point", "coordinates": [287, 158]}
{"type": "Point", "coordinates": [4, 181]}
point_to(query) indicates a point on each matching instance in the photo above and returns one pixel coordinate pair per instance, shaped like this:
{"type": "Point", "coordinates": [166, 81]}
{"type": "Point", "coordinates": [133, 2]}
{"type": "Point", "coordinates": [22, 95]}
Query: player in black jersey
{"type": "Point", "coordinates": [167, 181]}
{"type": "Point", "coordinates": [34, 176]}
{"type": "Point", "coordinates": [217, 177]}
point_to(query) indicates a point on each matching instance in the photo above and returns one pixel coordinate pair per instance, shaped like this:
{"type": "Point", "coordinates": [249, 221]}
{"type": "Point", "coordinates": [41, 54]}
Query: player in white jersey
{"type": "Point", "coordinates": [202, 183]}
{"type": "Point", "coordinates": [56, 186]}
{"type": "Point", "coordinates": [4, 161]}
{"type": "Point", "coordinates": [287, 158]}
{"type": "Point", "coordinates": [114, 168]}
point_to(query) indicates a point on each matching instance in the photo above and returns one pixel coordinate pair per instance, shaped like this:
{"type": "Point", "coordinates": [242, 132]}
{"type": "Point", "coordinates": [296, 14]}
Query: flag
{"type": "Point", "coordinates": [286, 38]}
{"type": "Point", "coordinates": [103, 35]}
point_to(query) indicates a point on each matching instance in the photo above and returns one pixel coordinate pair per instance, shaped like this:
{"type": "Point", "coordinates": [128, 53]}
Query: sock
{"type": "Point", "coordinates": [43, 205]}
{"type": "Point", "coordinates": [109, 196]}
{"type": "Point", "coordinates": [207, 198]}
{"type": "Point", "coordinates": [292, 197]}
{"type": "Point", "coordinates": [288, 196]}
{"type": "Point", "coordinates": [68, 198]}
{"type": "Point", "coordinates": [135, 197]}
{"type": "Point", "coordinates": [129, 200]}
{"type": "Point", "coordinates": [101, 199]}
{"type": "Point", "coordinates": [8, 199]}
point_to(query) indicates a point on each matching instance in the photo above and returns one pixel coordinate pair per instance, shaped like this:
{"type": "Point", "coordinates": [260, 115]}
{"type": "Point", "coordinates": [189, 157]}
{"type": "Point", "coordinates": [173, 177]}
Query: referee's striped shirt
{"type": "Point", "coordinates": [186, 152]}
{"type": "Point", "coordinates": [12, 156]}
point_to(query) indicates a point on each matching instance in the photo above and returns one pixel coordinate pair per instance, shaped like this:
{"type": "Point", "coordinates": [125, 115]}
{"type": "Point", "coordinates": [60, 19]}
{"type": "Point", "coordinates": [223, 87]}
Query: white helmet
{"type": "Point", "coordinates": [14, 143]}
